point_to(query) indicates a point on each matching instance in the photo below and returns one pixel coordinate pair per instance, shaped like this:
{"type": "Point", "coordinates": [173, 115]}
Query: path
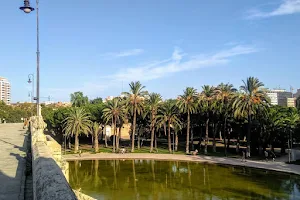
{"type": "Point", "coordinates": [277, 166]}
{"type": "Point", "coordinates": [13, 144]}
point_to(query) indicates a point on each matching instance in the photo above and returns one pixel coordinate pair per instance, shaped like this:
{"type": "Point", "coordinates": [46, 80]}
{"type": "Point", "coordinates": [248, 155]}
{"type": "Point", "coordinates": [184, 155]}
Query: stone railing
{"type": "Point", "coordinates": [49, 181]}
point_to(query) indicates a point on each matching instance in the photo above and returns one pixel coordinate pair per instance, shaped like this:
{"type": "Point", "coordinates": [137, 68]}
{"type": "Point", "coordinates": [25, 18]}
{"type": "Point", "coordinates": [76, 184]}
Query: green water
{"type": "Point", "coordinates": [153, 180]}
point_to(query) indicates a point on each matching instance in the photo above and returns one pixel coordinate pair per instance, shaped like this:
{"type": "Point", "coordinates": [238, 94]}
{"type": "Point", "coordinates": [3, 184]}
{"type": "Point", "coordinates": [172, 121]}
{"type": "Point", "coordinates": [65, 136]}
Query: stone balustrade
{"type": "Point", "coordinates": [49, 181]}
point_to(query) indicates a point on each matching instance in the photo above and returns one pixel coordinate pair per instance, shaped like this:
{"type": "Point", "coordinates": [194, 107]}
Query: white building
{"type": "Point", "coordinates": [273, 97]}
{"type": "Point", "coordinates": [5, 90]}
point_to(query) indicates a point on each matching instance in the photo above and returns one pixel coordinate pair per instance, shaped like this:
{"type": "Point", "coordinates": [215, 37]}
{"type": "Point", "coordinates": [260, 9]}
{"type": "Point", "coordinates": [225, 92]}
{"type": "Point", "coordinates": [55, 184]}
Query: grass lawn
{"type": "Point", "coordinates": [146, 149]}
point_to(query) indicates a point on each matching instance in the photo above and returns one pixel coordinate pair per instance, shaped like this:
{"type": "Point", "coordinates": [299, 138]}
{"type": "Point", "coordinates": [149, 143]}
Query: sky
{"type": "Point", "coordinates": [100, 46]}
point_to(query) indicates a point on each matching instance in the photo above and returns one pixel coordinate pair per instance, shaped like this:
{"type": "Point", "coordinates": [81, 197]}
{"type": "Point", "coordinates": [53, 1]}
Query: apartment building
{"type": "Point", "coordinates": [280, 97]}
{"type": "Point", "coordinates": [5, 90]}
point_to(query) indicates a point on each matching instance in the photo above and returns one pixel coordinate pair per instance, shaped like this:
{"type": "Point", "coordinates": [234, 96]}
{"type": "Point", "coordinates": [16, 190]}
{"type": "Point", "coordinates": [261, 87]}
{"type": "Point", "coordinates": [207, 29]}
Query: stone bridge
{"type": "Point", "coordinates": [31, 166]}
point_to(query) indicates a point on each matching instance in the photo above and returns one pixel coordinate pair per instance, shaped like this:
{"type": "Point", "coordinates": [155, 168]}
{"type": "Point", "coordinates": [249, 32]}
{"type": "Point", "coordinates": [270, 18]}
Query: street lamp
{"type": "Point", "coordinates": [31, 80]}
{"type": "Point", "coordinates": [27, 9]}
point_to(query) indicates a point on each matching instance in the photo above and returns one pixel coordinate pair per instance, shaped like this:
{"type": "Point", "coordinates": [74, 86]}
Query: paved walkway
{"type": "Point", "coordinates": [12, 162]}
{"type": "Point", "coordinates": [277, 166]}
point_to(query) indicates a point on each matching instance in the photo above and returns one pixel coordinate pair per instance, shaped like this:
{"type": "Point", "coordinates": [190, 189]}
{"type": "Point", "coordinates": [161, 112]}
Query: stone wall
{"type": "Point", "coordinates": [49, 181]}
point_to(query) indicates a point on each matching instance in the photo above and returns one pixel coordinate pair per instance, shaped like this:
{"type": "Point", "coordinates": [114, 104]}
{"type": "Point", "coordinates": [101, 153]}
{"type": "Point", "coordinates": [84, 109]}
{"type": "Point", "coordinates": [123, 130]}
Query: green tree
{"type": "Point", "coordinates": [78, 99]}
{"type": "Point", "coordinates": [187, 104]}
{"type": "Point", "coordinates": [247, 101]}
{"type": "Point", "coordinates": [77, 123]}
{"type": "Point", "coordinates": [153, 103]}
{"type": "Point", "coordinates": [224, 94]}
{"type": "Point", "coordinates": [135, 98]}
{"type": "Point", "coordinates": [95, 131]}
{"type": "Point", "coordinates": [206, 100]}
{"type": "Point", "coordinates": [114, 111]}
{"type": "Point", "coordinates": [97, 100]}
{"type": "Point", "coordinates": [168, 113]}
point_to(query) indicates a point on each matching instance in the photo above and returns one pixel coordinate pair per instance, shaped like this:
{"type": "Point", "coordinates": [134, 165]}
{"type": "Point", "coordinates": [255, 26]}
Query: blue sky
{"type": "Point", "coordinates": [93, 46]}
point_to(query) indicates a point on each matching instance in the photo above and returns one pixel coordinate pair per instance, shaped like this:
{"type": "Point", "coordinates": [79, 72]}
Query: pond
{"type": "Point", "coordinates": [151, 179]}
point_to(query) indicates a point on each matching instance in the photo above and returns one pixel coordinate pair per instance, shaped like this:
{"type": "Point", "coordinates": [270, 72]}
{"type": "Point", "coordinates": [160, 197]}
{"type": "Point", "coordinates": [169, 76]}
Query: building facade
{"type": "Point", "coordinates": [273, 97]}
{"type": "Point", "coordinates": [5, 91]}
{"type": "Point", "coordinates": [280, 97]}
{"type": "Point", "coordinates": [291, 102]}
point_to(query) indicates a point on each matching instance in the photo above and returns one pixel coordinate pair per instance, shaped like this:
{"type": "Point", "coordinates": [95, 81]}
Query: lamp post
{"type": "Point", "coordinates": [27, 9]}
{"type": "Point", "coordinates": [31, 80]}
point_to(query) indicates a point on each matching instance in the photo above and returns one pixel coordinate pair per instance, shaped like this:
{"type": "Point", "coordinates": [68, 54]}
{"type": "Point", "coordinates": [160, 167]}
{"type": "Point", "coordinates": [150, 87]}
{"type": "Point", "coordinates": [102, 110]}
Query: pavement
{"type": "Point", "coordinates": [13, 161]}
{"type": "Point", "coordinates": [275, 166]}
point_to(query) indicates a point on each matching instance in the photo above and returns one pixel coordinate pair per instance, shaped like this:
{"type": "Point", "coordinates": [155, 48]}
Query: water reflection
{"type": "Point", "coordinates": [140, 179]}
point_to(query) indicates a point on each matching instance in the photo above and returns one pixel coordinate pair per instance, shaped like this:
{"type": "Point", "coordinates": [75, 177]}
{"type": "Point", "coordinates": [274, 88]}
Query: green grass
{"type": "Point", "coordinates": [146, 149]}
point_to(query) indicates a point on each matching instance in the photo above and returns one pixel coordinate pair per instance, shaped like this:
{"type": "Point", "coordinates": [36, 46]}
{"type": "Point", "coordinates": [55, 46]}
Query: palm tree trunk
{"type": "Point", "coordinates": [248, 136]}
{"type": "Point", "coordinates": [114, 136]}
{"type": "Point", "coordinates": [76, 143]}
{"type": "Point", "coordinates": [93, 141]}
{"type": "Point", "coordinates": [155, 142]}
{"type": "Point", "coordinates": [119, 137]}
{"type": "Point", "coordinates": [214, 137]}
{"type": "Point", "coordinates": [139, 138]}
{"type": "Point", "coordinates": [176, 141]}
{"type": "Point", "coordinates": [152, 135]}
{"type": "Point", "coordinates": [228, 140]}
{"type": "Point", "coordinates": [238, 142]}
{"type": "Point", "coordinates": [96, 143]}
{"type": "Point", "coordinates": [133, 129]}
{"type": "Point", "coordinates": [187, 148]}
{"type": "Point", "coordinates": [224, 136]}
{"type": "Point", "coordinates": [169, 137]}
{"type": "Point", "coordinates": [69, 142]}
{"type": "Point", "coordinates": [206, 135]}
{"type": "Point", "coordinates": [192, 139]}
{"type": "Point", "coordinates": [105, 140]}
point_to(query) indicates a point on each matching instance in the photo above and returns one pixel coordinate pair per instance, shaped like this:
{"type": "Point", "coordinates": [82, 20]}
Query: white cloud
{"type": "Point", "coordinates": [177, 62]}
{"type": "Point", "coordinates": [286, 7]}
{"type": "Point", "coordinates": [126, 53]}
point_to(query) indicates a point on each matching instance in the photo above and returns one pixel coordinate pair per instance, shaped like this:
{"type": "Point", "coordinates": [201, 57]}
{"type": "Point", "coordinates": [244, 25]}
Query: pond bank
{"type": "Point", "coordinates": [275, 166]}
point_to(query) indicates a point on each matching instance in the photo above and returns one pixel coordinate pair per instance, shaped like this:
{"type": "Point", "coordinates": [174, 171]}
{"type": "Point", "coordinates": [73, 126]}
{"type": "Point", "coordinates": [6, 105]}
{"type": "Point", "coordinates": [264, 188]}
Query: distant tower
{"type": "Point", "coordinates": [5, 90]}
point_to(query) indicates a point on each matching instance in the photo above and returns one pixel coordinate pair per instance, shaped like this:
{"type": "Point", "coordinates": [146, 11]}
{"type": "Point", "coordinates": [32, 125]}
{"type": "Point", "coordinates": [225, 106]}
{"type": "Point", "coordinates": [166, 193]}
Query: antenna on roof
{"type": "Point", "coordinates": [292, 89]}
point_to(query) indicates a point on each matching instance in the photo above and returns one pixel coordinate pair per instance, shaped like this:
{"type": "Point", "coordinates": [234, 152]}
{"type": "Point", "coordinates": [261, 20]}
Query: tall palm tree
{"type": "Point", "coordinates": [114, 110]}
{"type": "Point", "coordinates": [187, 104]}
{"type": "Point", "coordinates": [168, 113]}
{"type": "Point", "coordinates": [135, 98]}
{"type": "Point", "coordinates": [206, 100]}
{"type": "Point", "coordinates": [247, 101]}
{"type": "Point", "coordinates": [77, 99]}
{"type": "Point", "coordinates": [153, 103]}
{"type": "Point", "coordinates": [78, 122]}
{"type": "Point", "coordinates": [95, 131]}
{"type": "Point", "coordinates": [224, 95]}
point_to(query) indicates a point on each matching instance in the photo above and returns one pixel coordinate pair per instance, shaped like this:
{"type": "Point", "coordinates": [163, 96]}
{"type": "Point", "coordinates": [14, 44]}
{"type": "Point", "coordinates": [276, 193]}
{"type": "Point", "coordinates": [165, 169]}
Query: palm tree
{"type": "Point", "coordinates": [136, 99]}
{"type": "Point", "coordinates": [77, 123]}
{"type": "Point", "coordinates": [224, 94]}
{"type": "Point", "coordinates": [153, 103]}
{"type": "Point", "coordinates": [114, 110]}
{"type": "Point", "coordinates": [168, 113]}
{"type": "Point", "coordinates": [246, 103]}
{"type": "Point", "coordinates": [77, 99]}
{"type": "Point", "coordinates": [206, 100]}
{"type": "Point", "coordinates": [187, 104]}
{"type": "Point", "coordinates": [95, 131]}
